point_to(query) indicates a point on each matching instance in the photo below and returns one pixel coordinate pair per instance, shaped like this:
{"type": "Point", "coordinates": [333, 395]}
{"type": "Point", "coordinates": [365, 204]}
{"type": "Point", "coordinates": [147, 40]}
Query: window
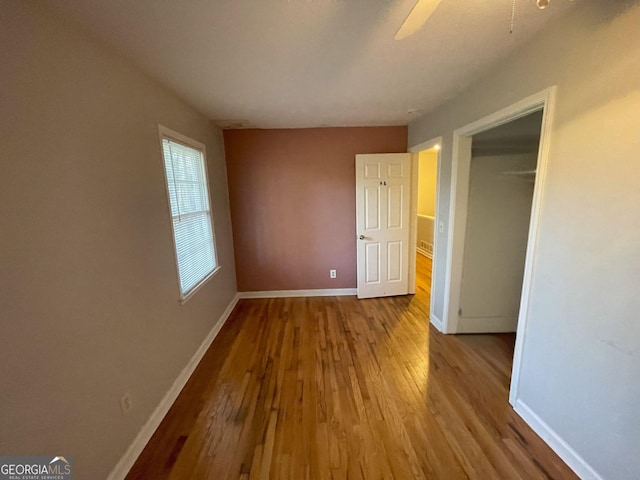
{"type": "Point", "coordinates": [188, 195]}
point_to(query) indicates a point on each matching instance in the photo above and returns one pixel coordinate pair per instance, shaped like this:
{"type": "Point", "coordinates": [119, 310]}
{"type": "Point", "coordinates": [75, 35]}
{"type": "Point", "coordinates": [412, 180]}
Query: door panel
{"type": "Point", "coordinates": [394, 262]}
{"type": "Point", "coordinates": [372, 208]}
{"type": "Point", "coordinates": [395, 170]}
{"type": "Point", "coordinates": [372, 263]}
{"type": "Point", "coordinates": [382, 221]}
{"type": "Point", "coordinates": [372, 171]}
{"type": "Point", "coordinates": [394, 207]}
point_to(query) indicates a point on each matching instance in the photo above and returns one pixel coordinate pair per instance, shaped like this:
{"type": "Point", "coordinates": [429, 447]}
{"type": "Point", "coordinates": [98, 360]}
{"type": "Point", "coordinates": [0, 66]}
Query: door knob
{"type": "Point", "coordinates": [361, 237]}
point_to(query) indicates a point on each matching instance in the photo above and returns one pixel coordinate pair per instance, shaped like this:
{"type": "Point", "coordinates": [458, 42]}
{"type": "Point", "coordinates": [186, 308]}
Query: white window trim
{"type": "Point", "coordinates": [167, 133]}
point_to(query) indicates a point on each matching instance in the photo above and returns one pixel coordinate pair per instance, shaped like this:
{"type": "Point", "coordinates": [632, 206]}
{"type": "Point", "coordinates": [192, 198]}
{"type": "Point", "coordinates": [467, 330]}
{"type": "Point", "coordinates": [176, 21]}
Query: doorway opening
{"type": "Point", "coordinates": [426, 218]}
{"type": "Point", "coordinates": [424, 221]}
{"type": "Point", "coordinates": [501, 180]}
{"type": "Point", "coordinates": [543, 101]}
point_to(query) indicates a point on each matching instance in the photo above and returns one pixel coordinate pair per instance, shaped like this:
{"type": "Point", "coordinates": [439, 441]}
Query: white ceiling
{"type": "Point", "coordinates": [305, 63]}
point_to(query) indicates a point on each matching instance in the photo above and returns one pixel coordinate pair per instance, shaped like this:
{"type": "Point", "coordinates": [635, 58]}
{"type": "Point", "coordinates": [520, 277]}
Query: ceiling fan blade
{"type": "Point", "coordinates": [417, 18]}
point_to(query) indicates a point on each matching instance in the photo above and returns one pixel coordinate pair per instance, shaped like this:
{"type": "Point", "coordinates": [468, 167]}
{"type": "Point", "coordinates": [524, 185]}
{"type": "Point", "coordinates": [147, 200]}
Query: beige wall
{"type": "Point", "coordinates": [581, 353]}
{"type": "Point", "coordinates": [89, 297]}
{"type": "Point", "coordinates": [495, 244]}
{"type": "Point", "coordinates": [427, 182]}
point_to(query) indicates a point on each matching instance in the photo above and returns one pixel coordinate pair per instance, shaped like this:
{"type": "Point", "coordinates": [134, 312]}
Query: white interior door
{"type": "Point", "coordinates": [382, 223]}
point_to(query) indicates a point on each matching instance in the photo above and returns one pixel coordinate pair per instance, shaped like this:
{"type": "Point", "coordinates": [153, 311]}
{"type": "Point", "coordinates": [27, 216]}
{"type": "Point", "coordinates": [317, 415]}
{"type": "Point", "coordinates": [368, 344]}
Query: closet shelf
{"type": "Point", "coordinates": [520, 173]}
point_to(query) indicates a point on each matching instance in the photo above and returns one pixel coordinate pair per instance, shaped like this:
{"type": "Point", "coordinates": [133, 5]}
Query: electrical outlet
{"type": "Point", "coordinates": [126, 404]}
{"type": "Point", "coordinates": [332, 274]}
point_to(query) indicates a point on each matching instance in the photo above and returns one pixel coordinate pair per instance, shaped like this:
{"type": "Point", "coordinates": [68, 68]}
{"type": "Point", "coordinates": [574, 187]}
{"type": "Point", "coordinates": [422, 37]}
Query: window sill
{"type": "Point", "coordinates": [192, 292]}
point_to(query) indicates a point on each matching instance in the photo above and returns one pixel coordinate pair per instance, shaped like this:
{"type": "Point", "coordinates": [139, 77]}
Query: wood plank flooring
{"type": "Point", "coordinates": [340, 388]}
{"type": "Point", "coordinates": [423, 278]}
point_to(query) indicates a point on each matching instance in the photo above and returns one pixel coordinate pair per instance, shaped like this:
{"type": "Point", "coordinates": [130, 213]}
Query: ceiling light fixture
{"type": "Point", "coordinates": [423, 9]}
{"type": "Point", "coordinates": [418, 16]}
{"type": "Point", "coordinates": [542, 4]}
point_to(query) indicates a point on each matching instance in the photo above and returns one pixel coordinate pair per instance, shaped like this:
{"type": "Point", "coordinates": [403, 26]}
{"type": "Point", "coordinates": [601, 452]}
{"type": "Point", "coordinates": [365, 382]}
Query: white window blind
{"type": "Point", "coordinates": [190, 213]}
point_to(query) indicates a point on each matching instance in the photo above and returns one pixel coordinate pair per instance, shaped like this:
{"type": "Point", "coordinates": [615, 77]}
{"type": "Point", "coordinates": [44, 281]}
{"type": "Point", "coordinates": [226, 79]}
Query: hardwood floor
{"type": "Point", "coordinates": [340, 388]}
{"type": "Point", "coordinates": [423, 277]}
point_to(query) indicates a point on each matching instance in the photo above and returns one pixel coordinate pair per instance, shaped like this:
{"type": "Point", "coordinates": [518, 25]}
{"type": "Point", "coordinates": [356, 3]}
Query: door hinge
{"type": "Point", "coordinates": [459, 312]}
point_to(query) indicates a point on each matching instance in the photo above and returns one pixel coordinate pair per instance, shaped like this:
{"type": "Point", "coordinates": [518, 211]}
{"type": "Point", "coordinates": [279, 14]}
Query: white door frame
{"type": "Point", "coordinates": [461, 163]}
{"type": "Point", "coordinates": [413, 232]}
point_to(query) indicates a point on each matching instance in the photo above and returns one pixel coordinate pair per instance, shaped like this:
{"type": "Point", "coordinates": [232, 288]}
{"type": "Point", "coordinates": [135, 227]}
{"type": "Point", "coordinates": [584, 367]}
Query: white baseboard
{"type": "Point", "coordinates": [437, 323]}
{"type": "Point", "coordinates": [424, 252]}
{"type": "Point", "coordinates": [329, 292]}
{"type": "Point", "coordinates": [135, 449]}
{"type": "Point", "coordinates": [557, 444]}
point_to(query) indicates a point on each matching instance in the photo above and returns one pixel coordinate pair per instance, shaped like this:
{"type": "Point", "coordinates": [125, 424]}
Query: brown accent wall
{"type": "Point", "coordinates": [293, 209]}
